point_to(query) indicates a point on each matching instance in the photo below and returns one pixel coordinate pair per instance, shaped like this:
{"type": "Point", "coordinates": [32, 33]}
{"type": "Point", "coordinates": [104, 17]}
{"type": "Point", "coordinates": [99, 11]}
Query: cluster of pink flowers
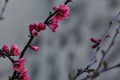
{"type": "Point", "coordinates": [19, 66]}
{"type": "Point", "coordinates": [13, 51]}
{"type": "Point", "coordinates": [96, 42]}
{"type": "Point", "coordinates": [60, 13]}
{"type": "Point", "coordinates": [63, 12]}
{"type": "Point", "coordinates": [34, 28]}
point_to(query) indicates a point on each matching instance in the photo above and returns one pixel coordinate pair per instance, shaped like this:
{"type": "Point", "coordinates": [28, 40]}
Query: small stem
{"type": "Point", "coordinates": [26, 46]}
{"type": "Point", "coordinates": [101, 71]}
{"type": "Point", "coordinates": [92, 60]}
{"type": "Point", "coordinates": [3, 9]}
{"type": "Point", "coordinates": [8, 56]}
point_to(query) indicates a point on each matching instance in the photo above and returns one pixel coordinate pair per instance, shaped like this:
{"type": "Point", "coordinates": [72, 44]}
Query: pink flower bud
{"type": "Point", "coordinates": [93, 40]}
{"type": "Point", "coordinates": [34, 33]}
{"type": "Point", "coordinates": [35, 48]}
{"type": "Point", "coordinates": [5, 48]}
{"type": "Point", "coordinates": [23, 76]}
{"type": "Point", "coordinates": [94, 46]}
{"type": "Point", "coordinates": [14, 50]}
{"type": "Point", "coordinates": [31, 27]}
{"type": "Point", "coordinates": [41, 26]}
{"type": "Point", "coordinates": [99, 40]}
{"type": "Point", "coordinates": [55, 8]}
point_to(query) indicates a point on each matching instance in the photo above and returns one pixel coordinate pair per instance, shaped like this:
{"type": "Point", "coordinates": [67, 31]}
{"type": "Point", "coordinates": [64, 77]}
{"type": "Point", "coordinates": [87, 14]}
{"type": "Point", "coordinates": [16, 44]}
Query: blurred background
{"type": "Point", "coordinates": [66, 50]}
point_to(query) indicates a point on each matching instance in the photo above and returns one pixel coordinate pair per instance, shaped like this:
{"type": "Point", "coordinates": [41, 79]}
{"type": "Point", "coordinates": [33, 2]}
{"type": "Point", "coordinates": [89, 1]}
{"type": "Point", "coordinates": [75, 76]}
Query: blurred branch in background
{"type": "Point", "coordinates": [3, 10]}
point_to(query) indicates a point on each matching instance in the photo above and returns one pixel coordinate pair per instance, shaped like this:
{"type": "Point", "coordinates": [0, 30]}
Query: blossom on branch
{"type": "Point", "coordinates": [14, 50]}
{"type": "Point", "coordinates": [34, 48]}
{"type": "Point", "coordinates": [34, 28]}
{"type": "Point", "coordinates": [96, 42]}
{"type": "Point", "coordinates": [63, 12]}
{"type": "Point", "coordinates": [5, 48]}
{"type": "Point", "coordinates": [18, 65]}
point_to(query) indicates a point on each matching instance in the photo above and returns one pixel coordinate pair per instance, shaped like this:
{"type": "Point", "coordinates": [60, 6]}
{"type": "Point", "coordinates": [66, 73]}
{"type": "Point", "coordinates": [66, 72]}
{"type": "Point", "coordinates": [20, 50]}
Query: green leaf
{"type": "Point", "coordinates": [3, 56]}
{"type": "Point", "coordinates": [105, 64]}
{"type": "Point", "coordinates": [50, 12]}
{"type": "Point", "coordinates": [70, 77]}
{"type": "Point", "coordinates": [110, 23]}
{"type": "Point", "coordinates": [9, 78]}
{"type": "Point", "coordinates": [90, 70]}
{"type": "Point", "coordinates": [79, 71]}
{"type": "Point", "coordinates": [118, 21]}
{"type": "Point", "coordinates": [102, 52]}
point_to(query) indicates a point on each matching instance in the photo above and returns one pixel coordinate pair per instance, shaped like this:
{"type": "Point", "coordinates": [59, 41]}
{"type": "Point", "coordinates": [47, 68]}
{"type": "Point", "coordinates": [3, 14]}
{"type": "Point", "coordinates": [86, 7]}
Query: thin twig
{"type": "Point", "coordinates": [101, 71]}
{"type": "Point", "coordinates": [108, 49]}
{"type": "Point", "coordinates": [8, 56]}
{"type": "Point", "coordinates": [93, 58]}
{"type": "Point", "coordinates": [3, 9]}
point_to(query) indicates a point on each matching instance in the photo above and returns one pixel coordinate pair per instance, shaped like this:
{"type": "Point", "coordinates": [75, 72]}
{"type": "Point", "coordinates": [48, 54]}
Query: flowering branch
{"type": "Point", "coordinates": [101, 71]}
{"type": "Point", "coordinates": [59, 14]}
{"type": "Point", "coordinates": [109, 47]}
{"type": "Point", "coordinates": [41, 27]}
{"type": "Point", "coordinates": [97, 45]}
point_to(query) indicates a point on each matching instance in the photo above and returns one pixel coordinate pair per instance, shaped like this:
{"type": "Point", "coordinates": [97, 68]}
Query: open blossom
{"type": "Point", "coordinates": [5, 48]}
{"type": "Point", "coordinates": [53, 24]}
{"type": "Point", "coordinates": [19, 65]}
{"type": "Point", "coordinates": [35, 33]}
{"type": "Point", "coordinates": [63, 12]}
{"type": "Point", "coordinates": [14, 50]}
{"type": "Point", "coordinates": [59, 16]}
{"type": "Point", "coordinates": [24, 76]}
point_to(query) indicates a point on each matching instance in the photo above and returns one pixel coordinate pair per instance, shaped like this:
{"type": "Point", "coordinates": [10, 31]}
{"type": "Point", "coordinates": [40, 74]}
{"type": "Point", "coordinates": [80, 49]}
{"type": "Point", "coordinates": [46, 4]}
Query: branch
{"type": "Point", "coordinates": [101, 71]}
{"type": "Point", "coordinates": [93, 58]}
{"type": "Point", "coordinates": [32, 37]}
{"type": "Point", "coordinates": [8, 56]}
{"type": "Point", "coordinates": [3, 10]}
{"type": "Point", "coordinates": [109, 47]}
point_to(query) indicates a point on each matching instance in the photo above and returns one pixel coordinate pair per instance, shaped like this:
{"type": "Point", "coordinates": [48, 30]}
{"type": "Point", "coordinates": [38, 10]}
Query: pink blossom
{"type": "Point", "coordinates": [31, 27]}
{"type": "Point", "coordinates": [53, 24]}
{"type": "Point", "coordinates": [63, 12]}
{"type": "Point", "coordinates": [5, 48]}
{"type": "Point", "coordinates": [55, 8]}
{"type": "Point", "coordinates": [14, 50]}
{"type": "Point", "coordinates": [93, 40]}
{"type": "Point", "coordinates": [35, 33]}
{"type": "Point", "coordinates": [99, 40]}
{"type": "Point", "coordinates": [96, 42]}
{"type": "Point", "coordinates": [24, 76]}
{"type": "Point", "coordinates": [41, 26]}
{"type": "Point", "coordinates": [19, 65]}
{"type": "Point", "coordinates": [35, 48]}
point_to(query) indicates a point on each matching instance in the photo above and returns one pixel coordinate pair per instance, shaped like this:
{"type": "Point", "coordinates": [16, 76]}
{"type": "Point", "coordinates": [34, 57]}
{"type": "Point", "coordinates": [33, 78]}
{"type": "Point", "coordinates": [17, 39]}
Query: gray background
{"type": "Point", "coordinates": [66, 50]}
